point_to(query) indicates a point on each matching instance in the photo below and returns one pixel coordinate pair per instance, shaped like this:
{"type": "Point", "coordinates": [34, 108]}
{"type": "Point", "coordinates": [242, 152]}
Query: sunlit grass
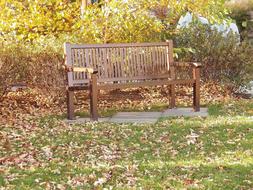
{"type": "Point", "coordinates": [175, 153]}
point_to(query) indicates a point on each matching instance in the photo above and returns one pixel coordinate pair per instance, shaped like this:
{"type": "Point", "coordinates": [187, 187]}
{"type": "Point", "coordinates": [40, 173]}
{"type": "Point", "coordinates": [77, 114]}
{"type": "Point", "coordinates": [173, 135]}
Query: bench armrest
{"type": "Point", "coordinates": [82, 69]}
{"type": "Point", "coordinates": [183, 64]}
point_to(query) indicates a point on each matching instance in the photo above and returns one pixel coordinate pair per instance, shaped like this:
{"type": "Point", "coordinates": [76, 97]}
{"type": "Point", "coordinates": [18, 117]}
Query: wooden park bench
{"type": "Point", "coordinates": [97, 67]}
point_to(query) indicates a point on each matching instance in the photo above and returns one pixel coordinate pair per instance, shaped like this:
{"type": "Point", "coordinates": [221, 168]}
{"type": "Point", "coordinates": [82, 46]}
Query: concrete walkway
{"type": "Point", "coordinates": [145, 117]}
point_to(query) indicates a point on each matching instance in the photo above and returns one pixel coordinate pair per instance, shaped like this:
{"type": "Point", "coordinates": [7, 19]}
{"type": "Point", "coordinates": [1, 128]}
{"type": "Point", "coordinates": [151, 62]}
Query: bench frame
{"type": "Point", "coordinates": [94, 86]}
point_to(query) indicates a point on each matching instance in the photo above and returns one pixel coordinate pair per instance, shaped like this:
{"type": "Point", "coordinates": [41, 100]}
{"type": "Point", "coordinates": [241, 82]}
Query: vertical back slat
{"type": "Point", "coordinates": [152, 59]}
{"type": "Point", "coordinates": [105, 63]}
{"type": "Point", "coordinates": [162, 62]}
{"type": "Point", "coordinates": [159, 59]}
{"type": "Point", "coordinates": [142, 61]}
{"type": "Point", "coordinates": [117, 61]}
{"type": "Point", "coordinates": [164, 59]}
{"type": "Point", "coordinates": [131, 56]}
{"type": "Point", "coordinates": [129, 60]}
{"type": "Point", "coordinates": [114, 66]}
{"type": "Point", "coordinates": [135, 64]}
{"type": "Point", "coordinates": [82, 62]}
{"type": "Point", "coordinates": [93, 57]}
{"type": "Point", "coordinates": [109, 50]}
{"type": "Point", "coordinates": [121, 63]}
{"type": "Point", "coordinates": [156, 61]}
{"type": "Point", "coordinates": [138, 63]}
{"type": "Point", "coordinates": [147, 61]}
{"type": "Point", "coordinates": [79, 76]}
{"type": "Point", "coordinates": [75, 63]}
{"type": "Point", "coordinates": [139, 53]}
{"type": "Point", "coordinates": [123, 66]}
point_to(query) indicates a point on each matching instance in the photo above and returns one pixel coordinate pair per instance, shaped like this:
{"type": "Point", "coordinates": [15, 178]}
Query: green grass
{"type": "Point", "coordinates": [175, 153]}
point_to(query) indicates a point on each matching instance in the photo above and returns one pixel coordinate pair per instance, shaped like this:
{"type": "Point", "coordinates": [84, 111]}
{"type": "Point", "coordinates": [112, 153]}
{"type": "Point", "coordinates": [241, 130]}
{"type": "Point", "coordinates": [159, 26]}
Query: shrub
{"type": "Point", "coordinates": [119, 21]}
{"type": "Point", "coordinates": [28, 20]}
{"type": "Point", "coordinates": [39, 66]}
{"type": "Point", "coordinates": [224, 58]}
{"type": "Point", "coordinates": [106, 21]}
{"type": "Point", "coordinates": [32, 33]}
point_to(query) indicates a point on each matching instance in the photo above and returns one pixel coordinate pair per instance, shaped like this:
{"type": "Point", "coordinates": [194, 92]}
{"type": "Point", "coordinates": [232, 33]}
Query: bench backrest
{"type": "Point", "coordinates": [119, 62]}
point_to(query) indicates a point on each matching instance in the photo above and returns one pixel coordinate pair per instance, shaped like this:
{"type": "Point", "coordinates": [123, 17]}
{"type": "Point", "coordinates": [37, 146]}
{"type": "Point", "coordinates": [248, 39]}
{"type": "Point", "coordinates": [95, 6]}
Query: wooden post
{"type": "Point", "coordinates": [70, 105]}
{"type": "Point", "coordinates": [94, 97]}
{"type": "Point", "coordinates": [196, 89]}
{"type": "Point", "coordinates": [70, 93]}
{"type": "Point", "coordinates": [171, 69]}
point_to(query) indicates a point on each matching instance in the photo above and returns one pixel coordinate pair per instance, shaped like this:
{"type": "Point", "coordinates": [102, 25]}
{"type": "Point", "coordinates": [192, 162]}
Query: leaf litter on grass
{"type": "Point", "coordinates": [180, 153]}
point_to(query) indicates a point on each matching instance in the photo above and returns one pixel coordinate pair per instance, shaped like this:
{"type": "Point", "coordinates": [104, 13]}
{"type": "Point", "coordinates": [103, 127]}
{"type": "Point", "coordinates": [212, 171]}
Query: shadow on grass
{"type": "Point", "coordinates": [109, 112]}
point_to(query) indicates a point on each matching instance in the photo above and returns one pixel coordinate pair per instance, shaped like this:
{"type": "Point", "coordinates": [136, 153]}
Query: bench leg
{"type": "Point", "coordinates": [172, 96]}
{"type": "Point", "coordinates": [196, 89]}
{"type": "Point", "coordinates": [70, 105]}
{"type": "Point", "coordinates": [94, 98]}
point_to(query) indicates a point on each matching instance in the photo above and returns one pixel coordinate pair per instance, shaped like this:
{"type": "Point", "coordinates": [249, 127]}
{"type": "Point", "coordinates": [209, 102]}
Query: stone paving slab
{"type": "Point", "coordinates": [84, 120]}
{"type": "Point", "coordinates": [137, 115]}
{"type": "Point", "coordinates": [144, 117]}
{"type": "Point", "coordinates": [133, 120]}
{"type": "Point", "coordinates": [185, 112]}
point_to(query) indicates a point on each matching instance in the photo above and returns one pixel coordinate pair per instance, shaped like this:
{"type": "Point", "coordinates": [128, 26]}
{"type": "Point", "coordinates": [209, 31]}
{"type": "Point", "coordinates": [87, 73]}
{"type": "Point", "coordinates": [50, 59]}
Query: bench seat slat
{"type": "Point", "coordinates": [133, 78]}
{"type": "Point", "coordinates": [133, 84]}
{"type": "Point", "coordinates": [102, 80]}
{"type": "Point", "coordinates": [143, 84]}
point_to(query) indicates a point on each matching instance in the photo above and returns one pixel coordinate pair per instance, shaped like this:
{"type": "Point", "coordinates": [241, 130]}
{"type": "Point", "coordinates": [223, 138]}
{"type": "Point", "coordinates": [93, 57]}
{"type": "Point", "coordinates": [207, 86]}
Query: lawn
{"type": "Point", "coordinates": [175, 153]}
